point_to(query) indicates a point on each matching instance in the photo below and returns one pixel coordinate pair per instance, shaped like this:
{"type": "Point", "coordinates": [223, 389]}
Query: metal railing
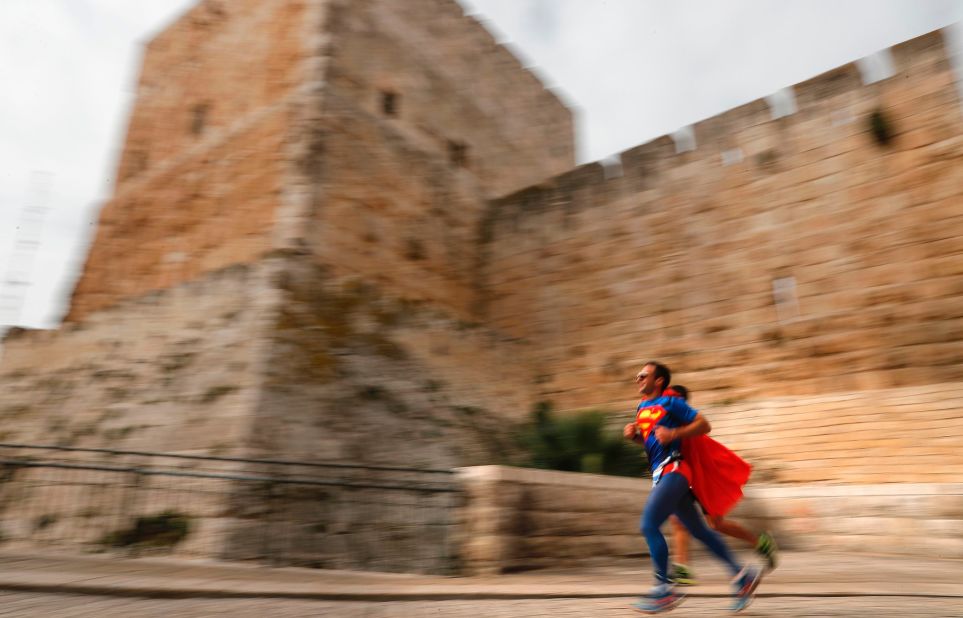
{"type": "Point", "coordinates": [279, 512]}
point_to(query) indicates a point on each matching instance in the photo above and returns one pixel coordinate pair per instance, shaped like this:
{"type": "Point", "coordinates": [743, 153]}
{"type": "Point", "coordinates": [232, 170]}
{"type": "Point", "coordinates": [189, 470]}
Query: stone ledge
{"type": "Point", "coordinates": [507, 524]}
{"type": "Point", "coordinates": [531, 476]}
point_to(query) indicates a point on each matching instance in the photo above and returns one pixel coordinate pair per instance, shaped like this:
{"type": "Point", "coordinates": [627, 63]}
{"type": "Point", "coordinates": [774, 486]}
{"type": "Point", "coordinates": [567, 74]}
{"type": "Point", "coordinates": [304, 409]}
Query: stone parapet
{"type": "Point", "coordinates": [519, 518]}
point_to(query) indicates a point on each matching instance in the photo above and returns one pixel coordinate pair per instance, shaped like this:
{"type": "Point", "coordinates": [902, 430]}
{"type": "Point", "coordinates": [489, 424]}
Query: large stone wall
{"type": "Point", "coordinates": [909, 434]}
{"type": "Point", "coordinates": [277, 359]}
{"type": "Point", "coordinates": [174, 371]}
{"type": "Point", "coordinates": [675, 256]}
{"type": "Point", "coordinates": [356, 373]}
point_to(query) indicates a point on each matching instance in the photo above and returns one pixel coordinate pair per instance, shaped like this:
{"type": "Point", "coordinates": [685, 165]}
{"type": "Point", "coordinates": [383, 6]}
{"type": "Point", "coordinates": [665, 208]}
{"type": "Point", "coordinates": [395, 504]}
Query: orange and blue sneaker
{"type": "Point", "coordinates": [745, 588]}
{"type": "Point", "coordinates": [657, 603]}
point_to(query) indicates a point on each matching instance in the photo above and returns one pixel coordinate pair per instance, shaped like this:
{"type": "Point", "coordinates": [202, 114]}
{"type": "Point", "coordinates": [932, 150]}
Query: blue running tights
{"type": "Point", "coordinates": [673, 496]}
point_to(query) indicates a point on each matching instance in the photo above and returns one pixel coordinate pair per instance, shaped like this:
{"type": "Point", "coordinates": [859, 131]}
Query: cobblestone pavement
{"type": "Point", "coordinates": [57, 605]}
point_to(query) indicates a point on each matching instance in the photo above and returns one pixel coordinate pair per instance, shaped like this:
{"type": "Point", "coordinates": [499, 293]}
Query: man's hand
{"type": "Point", "coordinates": [665, 435]}
{"type": "Point", "coordinates": [630, 431]}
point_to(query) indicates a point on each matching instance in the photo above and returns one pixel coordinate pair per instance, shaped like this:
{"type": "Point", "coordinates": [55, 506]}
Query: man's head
{"type": "Point", "coordinates": [678, 391]}
{"type": "Point", "coordinates": [653, 379]}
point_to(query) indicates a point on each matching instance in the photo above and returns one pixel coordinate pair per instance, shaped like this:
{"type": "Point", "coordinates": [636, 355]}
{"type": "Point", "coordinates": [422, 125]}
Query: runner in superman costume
{"type": "Point", "coordinates": [662, 423]}
{"type": "Point", "coordinates": [717, 480]}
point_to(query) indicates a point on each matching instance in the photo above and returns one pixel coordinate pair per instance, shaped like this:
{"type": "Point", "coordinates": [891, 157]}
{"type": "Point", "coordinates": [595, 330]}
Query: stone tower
{"type": "Point", "coordinates": [290, 255]}
{"type": "Point", "coordinates": [308, 125]}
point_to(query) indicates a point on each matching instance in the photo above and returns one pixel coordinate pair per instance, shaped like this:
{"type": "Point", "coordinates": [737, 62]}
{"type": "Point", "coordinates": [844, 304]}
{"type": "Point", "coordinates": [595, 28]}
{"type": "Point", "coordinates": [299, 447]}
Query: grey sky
{"type": "Point", "coordinates": [637, 69]}
{"type": "Point", "coordinates": [634, 69]}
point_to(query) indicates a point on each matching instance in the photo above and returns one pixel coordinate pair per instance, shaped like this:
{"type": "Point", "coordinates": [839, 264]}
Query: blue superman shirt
{"type": "Point", "coordinates": [669, 412]}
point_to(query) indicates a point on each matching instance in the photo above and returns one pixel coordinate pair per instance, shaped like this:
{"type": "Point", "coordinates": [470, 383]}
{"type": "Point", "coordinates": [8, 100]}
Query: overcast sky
{"type": "Point", "coordinates": [632, 69]}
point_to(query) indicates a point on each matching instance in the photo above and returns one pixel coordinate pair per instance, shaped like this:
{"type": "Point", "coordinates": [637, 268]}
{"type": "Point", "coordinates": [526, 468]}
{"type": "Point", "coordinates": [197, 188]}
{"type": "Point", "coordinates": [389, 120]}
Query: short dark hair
{"type": "Point", "coordinates": [661, 371]}
{"type": "Point", "coordinates": [681, 391]}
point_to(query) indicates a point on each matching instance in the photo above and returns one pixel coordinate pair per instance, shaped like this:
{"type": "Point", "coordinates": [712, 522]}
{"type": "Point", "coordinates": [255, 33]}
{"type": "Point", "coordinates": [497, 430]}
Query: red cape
{"type": "Point", "coordinates": [718, 474]}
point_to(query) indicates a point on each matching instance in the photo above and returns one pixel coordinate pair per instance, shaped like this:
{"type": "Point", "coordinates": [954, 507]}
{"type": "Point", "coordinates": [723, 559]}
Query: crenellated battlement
{"type": "Point", "coordinates": [742, 126]}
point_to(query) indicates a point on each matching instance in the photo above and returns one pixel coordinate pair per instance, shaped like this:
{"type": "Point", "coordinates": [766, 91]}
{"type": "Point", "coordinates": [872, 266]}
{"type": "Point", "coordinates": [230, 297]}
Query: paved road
{"type": "Point", "coordinates": [59, 605]}
{"type": "Point", "coordinates": [850, 585]}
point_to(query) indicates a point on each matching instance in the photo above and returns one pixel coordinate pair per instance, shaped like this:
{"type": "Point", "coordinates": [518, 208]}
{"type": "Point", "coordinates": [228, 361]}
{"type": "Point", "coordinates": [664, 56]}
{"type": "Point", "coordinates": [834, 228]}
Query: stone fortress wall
{"type": "Point", "coordinates": [800, 275]}
{"type": "Point", "coordinates": [371, 203]}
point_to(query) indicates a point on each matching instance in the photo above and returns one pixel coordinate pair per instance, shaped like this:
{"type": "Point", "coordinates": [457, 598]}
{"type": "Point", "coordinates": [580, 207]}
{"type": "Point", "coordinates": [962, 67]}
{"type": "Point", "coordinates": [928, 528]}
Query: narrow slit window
{"type": "Point", "coordinates": [458, 153]}
{"type": "Point", "coordinates": [199, 118]}
{"type": "Point", "coordinates": [389, 103]}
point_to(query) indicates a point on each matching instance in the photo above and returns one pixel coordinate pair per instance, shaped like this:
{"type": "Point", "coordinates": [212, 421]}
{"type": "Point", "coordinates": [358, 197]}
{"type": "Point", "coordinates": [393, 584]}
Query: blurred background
{"type": "Point", "coordinates": [357, 265]}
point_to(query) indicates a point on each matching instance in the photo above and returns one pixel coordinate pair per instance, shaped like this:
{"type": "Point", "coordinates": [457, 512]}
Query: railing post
{"type": "Point", "coordinates": [267, 555]}
{"type": "Point", "coordinates": [8, 472]}
{"type": "Point", "coordinates": [128, 508]}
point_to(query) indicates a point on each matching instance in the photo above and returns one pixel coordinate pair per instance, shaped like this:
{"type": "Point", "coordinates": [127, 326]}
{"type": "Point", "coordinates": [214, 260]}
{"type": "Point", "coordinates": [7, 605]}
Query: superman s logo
{"type": "Point", "coordinates": [646, 419]}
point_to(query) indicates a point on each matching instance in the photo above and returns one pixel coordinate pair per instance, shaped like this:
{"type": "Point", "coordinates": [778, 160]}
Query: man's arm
{"type": "Point", "coordinates": [698, 427]}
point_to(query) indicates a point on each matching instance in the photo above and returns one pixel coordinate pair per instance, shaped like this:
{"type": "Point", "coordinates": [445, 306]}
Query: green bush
{"type": "Point", "coordinates": [163, 530]}
{"type": "Point", "coordinates": [579, 442]}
